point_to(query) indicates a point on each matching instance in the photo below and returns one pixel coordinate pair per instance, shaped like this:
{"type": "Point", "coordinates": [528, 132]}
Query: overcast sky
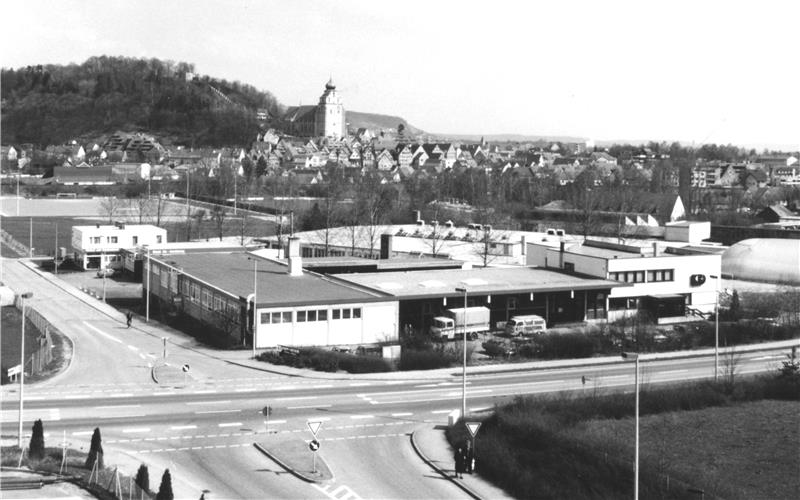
{"type": "Point", "coordinates": [701, 71]}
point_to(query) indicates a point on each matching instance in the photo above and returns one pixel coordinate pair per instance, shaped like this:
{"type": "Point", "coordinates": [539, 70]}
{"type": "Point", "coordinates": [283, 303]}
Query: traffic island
{"type": "Point", "coordinates": [295, 456]}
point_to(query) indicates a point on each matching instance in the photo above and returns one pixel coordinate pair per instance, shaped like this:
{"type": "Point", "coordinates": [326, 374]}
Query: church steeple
{"type": "Point", "coordinates": [330, 85]}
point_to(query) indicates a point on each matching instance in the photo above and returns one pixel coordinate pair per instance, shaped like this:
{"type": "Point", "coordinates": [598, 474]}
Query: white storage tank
{"type": "Point", "coordinates": [770, 260]}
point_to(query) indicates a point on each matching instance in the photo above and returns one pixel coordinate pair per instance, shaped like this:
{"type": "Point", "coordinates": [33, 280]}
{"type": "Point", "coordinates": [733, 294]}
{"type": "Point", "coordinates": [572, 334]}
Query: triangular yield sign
{"type": "Point", "coordinates": [472, 427]}
{"type": "Point", "coordinates": [314, 426]}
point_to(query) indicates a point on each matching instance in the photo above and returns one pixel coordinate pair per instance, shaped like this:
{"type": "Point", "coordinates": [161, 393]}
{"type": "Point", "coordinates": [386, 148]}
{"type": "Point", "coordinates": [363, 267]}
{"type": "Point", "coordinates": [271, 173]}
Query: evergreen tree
{"type": "Point", "coordinates": [736, 307]}
{"type": "Point", "coordinates": [165, 490]}
{"type": "Point", "coordinates": [36, 448]}
{"type": "Point", "coordinates": [95, 451]}
{"type": "Point", "coordinates": [143, 478]}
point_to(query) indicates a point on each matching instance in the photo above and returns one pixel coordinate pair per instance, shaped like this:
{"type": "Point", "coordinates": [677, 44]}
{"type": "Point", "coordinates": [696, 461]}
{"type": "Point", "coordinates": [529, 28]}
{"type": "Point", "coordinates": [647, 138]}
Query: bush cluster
{"type": "Point", "coordinates": [526, 448]}
{"type": "Point", "coordinates": [327, 361]}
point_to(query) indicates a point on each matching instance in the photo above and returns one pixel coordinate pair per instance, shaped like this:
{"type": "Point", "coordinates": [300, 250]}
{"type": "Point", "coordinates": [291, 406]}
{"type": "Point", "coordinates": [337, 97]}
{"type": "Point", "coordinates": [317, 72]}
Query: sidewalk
{"type": "Point", "coordinates": [431, 445]}
{"type": "Point", "coordinates": [23, 484]}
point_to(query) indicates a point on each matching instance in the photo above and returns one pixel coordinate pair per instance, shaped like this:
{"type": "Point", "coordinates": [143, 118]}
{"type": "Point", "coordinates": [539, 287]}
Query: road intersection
{"type": "Point", "coordinates": [203, 428]}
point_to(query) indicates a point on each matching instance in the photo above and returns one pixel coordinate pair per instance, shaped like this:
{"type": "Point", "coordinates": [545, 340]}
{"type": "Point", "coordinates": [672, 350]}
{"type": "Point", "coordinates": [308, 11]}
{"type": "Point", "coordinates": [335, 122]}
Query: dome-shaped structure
{"type": "Point", "coordinates": [769, 260]}
{"type": "Point", "coordinates": [330, 85]}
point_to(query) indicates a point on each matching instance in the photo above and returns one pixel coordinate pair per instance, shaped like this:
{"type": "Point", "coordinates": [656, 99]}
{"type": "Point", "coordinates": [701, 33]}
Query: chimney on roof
{"type": "Point", "coordinates": [561, 256]}
{"type": "Point", "coordinates": [419, 216]}
{"type": "Point", "coordinates": [386, 246]}
{"type": "Point", "coordinates": [655, 249]}
{"type": "Point", "coordinates": [295, 261]}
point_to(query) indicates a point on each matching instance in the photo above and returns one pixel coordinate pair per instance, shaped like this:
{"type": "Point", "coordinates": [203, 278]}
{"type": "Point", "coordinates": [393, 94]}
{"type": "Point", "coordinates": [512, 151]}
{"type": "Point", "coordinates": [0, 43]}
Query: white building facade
{"type": "Point", "coordinates": [99, 246]}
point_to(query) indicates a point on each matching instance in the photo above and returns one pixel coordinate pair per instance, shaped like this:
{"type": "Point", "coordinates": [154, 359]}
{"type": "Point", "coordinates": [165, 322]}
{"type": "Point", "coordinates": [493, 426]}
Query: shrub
{"type": "Point", "coordinates": [36, 447]}
{"type": "Point", "coordinates": [565, 346]}
{"type": "Point", "coordinates": [327, 361]}
{"type": "Point", "coordinates": [143, 478]}
{"type": "Point", "coordinates": [494, 348]}
{"type": "Point", "coordinates": [424, 359]}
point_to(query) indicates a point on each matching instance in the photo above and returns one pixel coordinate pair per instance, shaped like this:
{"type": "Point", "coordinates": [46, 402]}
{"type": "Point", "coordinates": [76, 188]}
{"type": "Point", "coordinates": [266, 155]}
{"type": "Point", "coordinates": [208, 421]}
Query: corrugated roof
{"type": "Point", "coordinates": [233, 273]}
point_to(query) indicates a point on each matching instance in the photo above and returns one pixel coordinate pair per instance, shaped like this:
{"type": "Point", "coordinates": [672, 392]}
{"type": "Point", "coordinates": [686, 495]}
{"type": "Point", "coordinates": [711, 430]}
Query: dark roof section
{"type": "Point", "coordinates": [233, 273]}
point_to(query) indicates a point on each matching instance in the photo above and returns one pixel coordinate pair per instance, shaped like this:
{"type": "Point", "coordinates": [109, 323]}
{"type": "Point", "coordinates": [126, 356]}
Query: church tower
{"type": "Point", "coordinates": [329, 116]}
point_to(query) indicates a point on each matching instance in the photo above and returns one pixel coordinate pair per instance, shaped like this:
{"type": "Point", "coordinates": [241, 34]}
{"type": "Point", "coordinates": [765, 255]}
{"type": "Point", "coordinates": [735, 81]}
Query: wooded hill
{"type": "Point", "coordinates": [53, 104]}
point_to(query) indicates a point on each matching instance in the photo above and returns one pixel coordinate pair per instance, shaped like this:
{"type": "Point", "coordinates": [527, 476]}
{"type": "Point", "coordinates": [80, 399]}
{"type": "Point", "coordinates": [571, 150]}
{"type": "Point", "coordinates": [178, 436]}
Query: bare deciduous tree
{"type": "Point", "coordinates": [110, 207]}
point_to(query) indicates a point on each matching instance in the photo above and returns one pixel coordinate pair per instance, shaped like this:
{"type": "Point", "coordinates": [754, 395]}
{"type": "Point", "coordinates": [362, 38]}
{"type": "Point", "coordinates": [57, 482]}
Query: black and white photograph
{"type": "Point", "coordinates": [345, 250]}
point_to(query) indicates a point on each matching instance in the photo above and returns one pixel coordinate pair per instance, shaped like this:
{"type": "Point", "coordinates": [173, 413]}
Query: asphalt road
{"type": "Point", "coordinates": [204, 430]}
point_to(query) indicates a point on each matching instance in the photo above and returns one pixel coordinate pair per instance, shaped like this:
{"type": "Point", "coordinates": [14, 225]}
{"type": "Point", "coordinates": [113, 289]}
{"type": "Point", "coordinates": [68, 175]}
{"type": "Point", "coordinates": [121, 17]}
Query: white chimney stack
{"type": "Point", "coordinates": [295, 261]}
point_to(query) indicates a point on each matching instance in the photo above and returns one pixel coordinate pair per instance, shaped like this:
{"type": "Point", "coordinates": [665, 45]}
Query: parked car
{"type": "Point", "coordinates": [106, 271]}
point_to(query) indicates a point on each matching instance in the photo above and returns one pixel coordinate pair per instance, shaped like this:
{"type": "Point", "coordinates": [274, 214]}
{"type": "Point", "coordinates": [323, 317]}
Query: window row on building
{"type": "Point", "coordinates": [310, 315]}
{"type": "Point", "coordinates": [653, 276]}
{"type": "Point", "coordinates": [204, 297]}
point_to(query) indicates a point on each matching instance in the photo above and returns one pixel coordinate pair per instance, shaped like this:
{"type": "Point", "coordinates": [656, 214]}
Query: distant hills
{"type": "Point", "coordinates": [374, 121]}
{"type": "Point", "coordinates": [511, 138]}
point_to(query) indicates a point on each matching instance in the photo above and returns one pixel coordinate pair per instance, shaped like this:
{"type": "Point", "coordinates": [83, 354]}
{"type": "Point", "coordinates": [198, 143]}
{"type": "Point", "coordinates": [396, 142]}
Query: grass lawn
{"type": "Point", "coordinates": [10, 340]}
{"type": "Point", "coordinates": [748, 451]}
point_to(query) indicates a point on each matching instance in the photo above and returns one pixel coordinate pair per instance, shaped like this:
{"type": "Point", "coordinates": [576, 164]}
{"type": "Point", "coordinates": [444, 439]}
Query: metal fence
{"type": "Point", "coordinates": [43, 354]}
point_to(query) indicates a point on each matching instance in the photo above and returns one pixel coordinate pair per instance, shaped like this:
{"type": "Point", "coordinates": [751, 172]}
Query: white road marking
{"type": "Point", "coordinates": [231, 424]}
{"type": "Point", "coordinates": [104, 334]}
{"type": "Point", "coordinates": [83, 433]}
{"type": "Point", "coordinates": [357, 417]}
{"type": "Point", "coordinates": [296, 398]}
{"type": "Point", "coordinates": [360, 384]}
{"type": "Point", "coordinates": [183, 427]}
{"type": "Point", "coordinates": [208, 402]}
{"type": "Point", "coordinates": [306, 407]}
{"type": "Point", "coordinates": [324, 386]}
{"type": "Point", "coordinates": [482, 408]}
{"type": "Point", "coordinates": [404, 414]}
{"type": "Point", "coordinates": [277, 422]}
{"type": "Point", "coordinates": [205, 392]}
{"type": "Point", "coordinates": [671, 371]}
{"type": "Point", "coordinates": [165, 393]}
{"type": "Point", "coordinates": [437, 412]}
{"type": "Point", "coordinates": [133, 348]}
{"type": "Point", "coordinates": [218, 411]}
{"type": "Point", "coordinates": [77, 396]}
{"type": "Point", "coordinates": [115, 407]}
{"type": "Point", "coordinates": [246, 389]}
{"type": "Point", "coordinates": [123, 395]}
{"type": "Point", "coordinates": [135, 429]}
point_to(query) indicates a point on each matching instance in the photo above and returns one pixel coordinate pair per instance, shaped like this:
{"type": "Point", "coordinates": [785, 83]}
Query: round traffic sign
{"type": "Point", "coordinates": [313, 445]}
{"type": "Point", "coordinates": [185, 368]}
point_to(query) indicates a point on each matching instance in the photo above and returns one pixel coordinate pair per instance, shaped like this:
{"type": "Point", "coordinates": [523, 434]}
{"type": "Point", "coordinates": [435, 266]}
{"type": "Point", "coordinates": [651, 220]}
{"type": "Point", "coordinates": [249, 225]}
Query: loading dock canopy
{"type": "Point", "coordinates": [442, 283]}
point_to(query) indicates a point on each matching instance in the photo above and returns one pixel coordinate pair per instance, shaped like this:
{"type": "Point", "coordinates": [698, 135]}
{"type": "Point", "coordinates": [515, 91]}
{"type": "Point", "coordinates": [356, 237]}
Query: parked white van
{"type": "Point", "coordinates": [526, 325]}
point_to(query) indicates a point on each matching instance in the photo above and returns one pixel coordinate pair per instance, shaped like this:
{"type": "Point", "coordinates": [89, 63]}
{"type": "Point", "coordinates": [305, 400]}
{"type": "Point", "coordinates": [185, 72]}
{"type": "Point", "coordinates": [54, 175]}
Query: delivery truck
{"type": "Point", "coordinates": [472, 319]}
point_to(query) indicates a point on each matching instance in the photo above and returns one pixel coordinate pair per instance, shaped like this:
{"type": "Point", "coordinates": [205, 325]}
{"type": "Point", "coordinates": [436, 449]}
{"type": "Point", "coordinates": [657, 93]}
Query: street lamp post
{"type": "Point", "coordinates": [103, 270]}
{"type": "Point", "coordinates": [147, 296]}
{"type": "Point", "coordinates": [635, 357]}
{"type": "Point", "coordinates": [464, 368]}
{"type": "Point", "coordinates": [716, 327]}
{"type": "Point", "coordinates": [255, 302]}
{"type": "Point", "coordinates": [22, 297]}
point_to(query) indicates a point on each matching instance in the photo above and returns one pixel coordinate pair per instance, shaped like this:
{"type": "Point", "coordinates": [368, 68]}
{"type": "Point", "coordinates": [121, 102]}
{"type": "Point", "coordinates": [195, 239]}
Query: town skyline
{"type": "Point", "coordinates": [610, 73]}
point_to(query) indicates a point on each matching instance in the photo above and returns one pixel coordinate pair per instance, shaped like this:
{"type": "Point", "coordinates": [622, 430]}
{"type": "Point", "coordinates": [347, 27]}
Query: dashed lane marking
{"type": "Point", "coordinates": [217, 411]}
{"type": "Point", "coordinates": [183, 427]}
{"type": "Point", "coordinates": [135, 429]}
{"type": "Point", "coordinates": [230, 424]}
{"type": "Point", "coordinates": [101, 332]}
{"type": "Point", "coordinates": [404, 414]}
{"type": "Point", "coordinates": [306, 407]}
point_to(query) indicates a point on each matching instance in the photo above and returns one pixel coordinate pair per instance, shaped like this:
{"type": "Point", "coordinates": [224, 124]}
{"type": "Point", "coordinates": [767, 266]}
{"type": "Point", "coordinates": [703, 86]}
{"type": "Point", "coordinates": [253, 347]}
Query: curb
{"type": "Point", "coordinates": [289, 469]}
{"type": "Point", "coordinates": [444, 474]}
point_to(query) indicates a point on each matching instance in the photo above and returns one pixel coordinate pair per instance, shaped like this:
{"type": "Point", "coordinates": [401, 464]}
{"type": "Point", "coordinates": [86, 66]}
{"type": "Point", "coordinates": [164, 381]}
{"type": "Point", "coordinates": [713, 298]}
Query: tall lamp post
{"type": "Point", "coordinates": [716, 327]}
{"type": "Point", "coordinates": [635, 357]}
{"type": "Point", "coordinates": [463, 290]}
{"type": "Point", "coordinates": [22, 298]}
{"type": "Point", "coordinates": [147, 297]}
{"type": "Point", "coordinates": [255, 302]}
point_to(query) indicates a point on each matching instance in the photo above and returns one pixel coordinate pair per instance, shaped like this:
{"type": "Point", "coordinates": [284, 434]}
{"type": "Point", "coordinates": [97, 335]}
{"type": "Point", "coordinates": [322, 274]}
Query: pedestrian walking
{"type": "Point", "coordinates": [469, 460]}
{"type": "Point", "coordinates": [129, 318]}
{"type": "Point", "coordinates": [459, 459]}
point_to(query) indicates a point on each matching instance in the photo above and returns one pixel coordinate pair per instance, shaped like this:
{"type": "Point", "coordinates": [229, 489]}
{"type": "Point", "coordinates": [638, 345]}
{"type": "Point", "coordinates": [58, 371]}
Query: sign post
{"type": "Point", "coordinates": [473, 427]}
{"type": "Point", "coordinates": [313, 426]}
{"type": "Point", "coordinates": [185, 369]}
{"type": "Point", "coordinates": [267, 411]}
